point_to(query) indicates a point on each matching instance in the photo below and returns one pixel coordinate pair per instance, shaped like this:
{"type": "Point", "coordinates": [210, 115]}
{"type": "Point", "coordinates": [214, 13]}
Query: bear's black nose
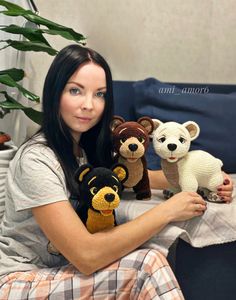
{"type": "Point", "coordinates": [171, 147]}
{"type": "Point", "coordinates": [109, 197]}
{"type": "Point", "coordinates": [133, 147]}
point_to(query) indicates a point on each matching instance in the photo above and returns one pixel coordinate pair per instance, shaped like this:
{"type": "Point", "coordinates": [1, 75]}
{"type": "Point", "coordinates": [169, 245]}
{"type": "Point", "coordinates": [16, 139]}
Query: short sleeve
{"type": "Point", "coordinates": [35, 178]}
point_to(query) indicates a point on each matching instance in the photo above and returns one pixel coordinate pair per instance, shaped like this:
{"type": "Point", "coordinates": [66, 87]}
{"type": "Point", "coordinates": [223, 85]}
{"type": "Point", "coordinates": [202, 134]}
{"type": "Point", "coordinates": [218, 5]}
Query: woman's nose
{"type": "Point", "coordinates": [87, 104]}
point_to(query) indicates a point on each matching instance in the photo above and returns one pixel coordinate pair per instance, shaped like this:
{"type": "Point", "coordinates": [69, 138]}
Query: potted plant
{"type": "Point", "coordinates": [33, 40]}
{"type": "Point", "coordinates": [7, 151]}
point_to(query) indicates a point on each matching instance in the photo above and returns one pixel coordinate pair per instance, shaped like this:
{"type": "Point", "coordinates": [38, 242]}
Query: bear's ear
{"type": "Point", "coordinates": [121, 171]}
{"type": "Point", "coordinates": [147, 123]}
{"type": "Point", "coordinates": [82, 171]}
{"type": "Point", "coordinates": [116, 122]}
{"type": "Point", "coordinates": [157, 123]}
{"type": "Point", "coordinates": [193, 129]}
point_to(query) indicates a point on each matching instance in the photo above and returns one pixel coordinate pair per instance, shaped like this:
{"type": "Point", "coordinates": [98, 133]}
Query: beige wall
{"type": "Point", "coordinates": [172, 40]}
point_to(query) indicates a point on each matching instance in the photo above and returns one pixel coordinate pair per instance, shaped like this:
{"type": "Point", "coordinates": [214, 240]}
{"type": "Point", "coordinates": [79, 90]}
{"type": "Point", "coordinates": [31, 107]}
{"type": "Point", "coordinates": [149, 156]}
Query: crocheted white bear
{"type": "Point", "coordinates": [185, 170]}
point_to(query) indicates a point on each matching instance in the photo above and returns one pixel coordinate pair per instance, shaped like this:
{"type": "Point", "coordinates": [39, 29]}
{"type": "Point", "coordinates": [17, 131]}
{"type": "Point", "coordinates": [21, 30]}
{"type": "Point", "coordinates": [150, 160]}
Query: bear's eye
{"type": "Point", "coordinates": [141, 139]}
{"type": "Point", "coordinates": [122, 140]}
{"type": "Point", "coordinates": [162, 139]}
{"type": "Point", "coordinates": [93, 190]}
{"type": "Point", "coordinates": [115, 188]}
{"type": "Point", "coordinates": [182, 140]}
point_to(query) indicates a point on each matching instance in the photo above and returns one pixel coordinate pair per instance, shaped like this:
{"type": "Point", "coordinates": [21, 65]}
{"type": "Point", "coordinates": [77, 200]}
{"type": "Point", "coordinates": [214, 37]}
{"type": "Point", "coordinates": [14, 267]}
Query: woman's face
{"type": "Point", "coordinates": [83, 99]}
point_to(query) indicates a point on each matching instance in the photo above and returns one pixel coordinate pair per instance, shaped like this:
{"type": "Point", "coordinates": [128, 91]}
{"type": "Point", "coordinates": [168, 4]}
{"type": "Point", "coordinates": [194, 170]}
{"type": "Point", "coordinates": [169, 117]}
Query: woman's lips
{"type": "Point", "coordinates": [84, 119]}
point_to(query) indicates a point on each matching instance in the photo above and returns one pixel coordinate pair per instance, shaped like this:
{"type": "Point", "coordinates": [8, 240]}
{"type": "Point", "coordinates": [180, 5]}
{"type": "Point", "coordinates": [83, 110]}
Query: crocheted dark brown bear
{"type": "Point", "coordinates": [131, 140]}
{"type": "Point", "coordinates": [100, 190]}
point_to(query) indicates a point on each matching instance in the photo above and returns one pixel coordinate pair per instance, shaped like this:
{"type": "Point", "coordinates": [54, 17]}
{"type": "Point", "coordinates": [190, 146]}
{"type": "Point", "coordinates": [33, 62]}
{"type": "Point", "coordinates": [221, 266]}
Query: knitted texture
{"type": "Point", "coordinates": [185, 170]}
{"type": "Point", "coordinates": [131, 140]}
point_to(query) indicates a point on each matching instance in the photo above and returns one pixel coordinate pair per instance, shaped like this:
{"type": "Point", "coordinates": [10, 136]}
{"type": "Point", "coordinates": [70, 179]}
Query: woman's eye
{"type": "Point", "coordinates": [182, 140]}
{"type": "Point", "coordinates": [100, 94]}
{"type": "Point", "coordinates": [122, 140]}
{"type": "Point", "coordinates": [115, 188]}
{"type": "Point", "coordinates": [74, 91]}
{"type": "Point", "coordinates": [162, 139]}
{"type": "Point", "coordinates": [93, 190]}
{"type": "Point", "coordinates": [141, 139]}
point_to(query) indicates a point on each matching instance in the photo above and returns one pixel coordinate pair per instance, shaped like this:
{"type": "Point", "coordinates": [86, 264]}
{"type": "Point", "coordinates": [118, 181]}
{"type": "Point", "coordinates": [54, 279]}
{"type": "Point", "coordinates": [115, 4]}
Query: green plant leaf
{"type": "Point", "coordinates": [32, 34]}
{"type": "Point", "coordinates": [65, 32]}
{"type": "Point", "coordinates": [60, 29]}
{"type": "Point", "coordinates": [11, 104]}
{"type": "Point", "coordinates": [15, 74]}
{"type": "Point", "coordinates": [30, 46]}
{"type": "Point", "coordinates": [11, 6]}
{"type": "Point", "coordinates": [34, 115]}
{"type": "Point", "coordinates": [7, 80]}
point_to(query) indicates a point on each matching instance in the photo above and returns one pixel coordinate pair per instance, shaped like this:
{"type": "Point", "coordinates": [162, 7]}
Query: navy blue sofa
{"type": "Point", "coordinates": [203, 273]}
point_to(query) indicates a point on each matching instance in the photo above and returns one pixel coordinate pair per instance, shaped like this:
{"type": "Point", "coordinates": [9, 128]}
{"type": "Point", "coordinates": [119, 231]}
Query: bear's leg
{"type": "Point", "coordinates": [214, 181]}
{"type": "Point", "coordinates": [188, 183]}
{"type": "Point", "coordinates": [142, 191]}
{"type": "Point", "coordinates": [142, 188]}
{"type": "Point", "coordinates": [170, 192]}
{"type": "Point", "coordinates": [209, 195]}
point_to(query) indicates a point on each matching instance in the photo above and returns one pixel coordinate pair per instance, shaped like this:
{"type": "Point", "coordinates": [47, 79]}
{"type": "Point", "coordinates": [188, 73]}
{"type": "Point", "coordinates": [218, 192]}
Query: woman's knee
{"type": "Point", "coordinates": [148, 260]}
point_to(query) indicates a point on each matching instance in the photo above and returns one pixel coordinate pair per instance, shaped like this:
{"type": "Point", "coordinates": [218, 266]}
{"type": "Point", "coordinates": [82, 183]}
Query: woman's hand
{"type": "Point", "coordinates": [184, 206]}
{"type": "Point", "coordinates": [225, 190]}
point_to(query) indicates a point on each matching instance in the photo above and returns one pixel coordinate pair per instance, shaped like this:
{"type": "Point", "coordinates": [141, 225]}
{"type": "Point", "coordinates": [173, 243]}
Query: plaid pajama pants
{"type": "Point", "coordinates": [143, 274]}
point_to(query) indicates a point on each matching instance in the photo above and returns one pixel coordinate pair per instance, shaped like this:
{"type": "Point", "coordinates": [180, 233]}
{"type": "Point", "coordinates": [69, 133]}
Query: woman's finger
{"type": "Point", "coordinates": [227, 199]}
{"type": "Point", "coordinates": [225, 194]}
{"type": "Point", "coordinates": [199, 207]}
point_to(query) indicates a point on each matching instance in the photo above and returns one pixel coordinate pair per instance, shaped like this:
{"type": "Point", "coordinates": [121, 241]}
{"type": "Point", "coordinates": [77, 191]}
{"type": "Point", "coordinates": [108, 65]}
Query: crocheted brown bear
{"type": "Point", "coordinates": [131, 140]}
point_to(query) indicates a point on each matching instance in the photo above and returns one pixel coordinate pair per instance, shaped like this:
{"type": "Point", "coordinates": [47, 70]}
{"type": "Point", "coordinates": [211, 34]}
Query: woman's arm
{"type": "Point", "coordinates": [90, 252]}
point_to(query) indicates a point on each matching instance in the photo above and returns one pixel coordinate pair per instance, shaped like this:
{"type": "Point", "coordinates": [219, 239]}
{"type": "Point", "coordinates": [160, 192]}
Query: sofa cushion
{"type": "Point", "coordinates": [199, 271]}
{"type": "Point", "coordinates": [124, 99]}
{"type": "Point", "coordinates": [215, 113]}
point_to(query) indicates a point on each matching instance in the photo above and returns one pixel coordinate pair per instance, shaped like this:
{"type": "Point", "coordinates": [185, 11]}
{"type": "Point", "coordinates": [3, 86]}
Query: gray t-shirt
{"type": "Point", "coordinates": [34, 178]}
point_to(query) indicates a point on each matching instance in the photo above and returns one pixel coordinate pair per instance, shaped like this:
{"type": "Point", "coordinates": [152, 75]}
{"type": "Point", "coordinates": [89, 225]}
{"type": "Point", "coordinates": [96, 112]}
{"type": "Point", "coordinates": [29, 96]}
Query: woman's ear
{"type": "Point", "coordinates": [116, 122]}
{"type": "Point", "coordinates": [82, 171]}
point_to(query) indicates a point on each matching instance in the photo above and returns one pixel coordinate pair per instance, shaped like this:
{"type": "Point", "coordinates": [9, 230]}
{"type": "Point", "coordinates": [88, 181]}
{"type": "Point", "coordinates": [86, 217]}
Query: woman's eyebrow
{"type": "Point", "coordinates": [81, 86]}
{"type": "Point", "coordinates": [77, 83]}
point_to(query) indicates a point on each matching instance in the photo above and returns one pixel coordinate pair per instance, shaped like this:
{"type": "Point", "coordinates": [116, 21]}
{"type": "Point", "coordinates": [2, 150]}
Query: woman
{"type": "Point", "coordinates": [78, 107]}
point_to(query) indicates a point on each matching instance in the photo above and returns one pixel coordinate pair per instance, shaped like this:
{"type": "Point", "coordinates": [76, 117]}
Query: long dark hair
{"type": "Point", "coordinates": [97, 141]}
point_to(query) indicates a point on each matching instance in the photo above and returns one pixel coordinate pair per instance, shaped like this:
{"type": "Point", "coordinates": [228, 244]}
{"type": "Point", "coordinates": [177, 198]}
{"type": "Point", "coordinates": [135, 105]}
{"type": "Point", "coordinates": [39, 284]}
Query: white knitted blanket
{"type": "Point", "coordinates": [216, 226]}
